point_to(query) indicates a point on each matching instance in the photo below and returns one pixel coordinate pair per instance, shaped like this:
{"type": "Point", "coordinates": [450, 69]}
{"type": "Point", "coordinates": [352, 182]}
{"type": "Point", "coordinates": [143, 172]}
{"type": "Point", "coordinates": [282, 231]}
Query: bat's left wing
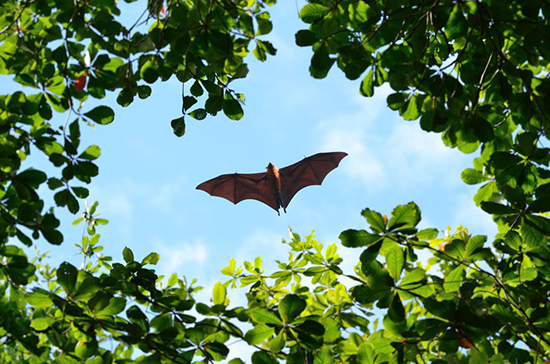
{"type": "Point", "coordinates": [309, 171]}
{"type": "Point", "coordinates": [236, 187]}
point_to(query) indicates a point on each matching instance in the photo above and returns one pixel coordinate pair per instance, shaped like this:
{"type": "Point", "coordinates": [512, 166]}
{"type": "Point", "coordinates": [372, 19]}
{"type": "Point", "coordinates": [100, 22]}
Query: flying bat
{"type": "Point", "coordinates": [275, 187]}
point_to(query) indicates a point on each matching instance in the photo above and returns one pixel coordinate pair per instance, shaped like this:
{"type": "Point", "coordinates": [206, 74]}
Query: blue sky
{"type": "Point", "coordinates": [147, 180]}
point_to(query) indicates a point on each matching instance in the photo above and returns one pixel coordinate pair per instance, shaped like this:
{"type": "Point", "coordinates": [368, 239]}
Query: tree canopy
{"type": "Point", "coordinates": [474, 71]}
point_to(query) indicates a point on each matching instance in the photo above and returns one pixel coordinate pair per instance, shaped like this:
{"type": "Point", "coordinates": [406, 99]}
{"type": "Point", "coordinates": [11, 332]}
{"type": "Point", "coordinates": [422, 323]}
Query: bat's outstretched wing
{"type": "Point", "coordinates": [238, 186]}
{"type": "Point", "coordinates": [309, 171]}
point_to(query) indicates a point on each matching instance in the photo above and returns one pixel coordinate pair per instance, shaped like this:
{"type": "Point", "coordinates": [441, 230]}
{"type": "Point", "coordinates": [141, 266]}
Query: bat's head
{"type": "Point", "coordinates": [269, 166]}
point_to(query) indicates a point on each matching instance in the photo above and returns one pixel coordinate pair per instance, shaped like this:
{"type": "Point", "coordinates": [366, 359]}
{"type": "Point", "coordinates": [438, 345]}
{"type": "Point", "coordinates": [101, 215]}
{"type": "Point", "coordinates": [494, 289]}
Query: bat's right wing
{"type": "Point", "coordinates": [307, 172]}
{"type": "Point", "coordinates": [238, 186]}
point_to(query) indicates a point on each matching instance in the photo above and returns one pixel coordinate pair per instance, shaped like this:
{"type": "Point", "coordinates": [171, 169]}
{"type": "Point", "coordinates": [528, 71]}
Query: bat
{"type": "Point", "coordinates": [275, 187]}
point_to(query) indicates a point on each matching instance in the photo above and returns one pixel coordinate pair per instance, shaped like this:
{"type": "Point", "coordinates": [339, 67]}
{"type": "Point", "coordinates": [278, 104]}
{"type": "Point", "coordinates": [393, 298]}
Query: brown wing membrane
{"type": "Point", "coordinates": [238, 186]}
{"type": "Point", "coordinates": [309, 171]}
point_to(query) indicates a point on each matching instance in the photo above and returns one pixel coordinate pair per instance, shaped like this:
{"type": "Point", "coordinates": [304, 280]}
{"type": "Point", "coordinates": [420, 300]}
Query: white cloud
{"type": "Point", "coordinates": [128, 194]}
{"type": "Point", "coordinates": [473, 218]}
{"type": "Point", "coordinates": [260, 242]}
{"type": "Point", "coordinates": [166, 195]}
{"type": "Point", "coordinates": [386, 151]}
{"type": "Point", "coordinates": [176, 258]}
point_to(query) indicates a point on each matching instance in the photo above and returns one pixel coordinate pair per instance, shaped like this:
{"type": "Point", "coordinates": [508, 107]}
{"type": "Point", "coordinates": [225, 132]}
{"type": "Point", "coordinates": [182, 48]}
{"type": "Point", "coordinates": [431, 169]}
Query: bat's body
{"type": "Point", "coordinates": [275, 187]}
{"type": "Point", "coordinates": [274, 180]}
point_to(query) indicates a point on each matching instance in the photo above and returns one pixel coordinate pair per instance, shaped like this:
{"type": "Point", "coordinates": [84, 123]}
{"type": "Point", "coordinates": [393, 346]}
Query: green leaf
{"type": "Point", "coordinates": [404, 216]}
{"type": "Point", "coordinates": [312, 12]}
{"type": "Point", "coordinates": [427, 234]}
{"type": "Point", "coordinates": [311, 327]}
{"type": "Point", "coordinates": [66, 276]}
{"type": "Point", "coordinates": [219, 294]}
{"type": "Point", "coordinates": [411, 110]}
{"type": "Point", "coordinates": [189, 101]}
{"type": "Point", "coordinates": [377, 276]}
{"type": "Point", "coordinates": [264, 316]}
{"type": "Point", "coordinates": [267, 47]}
{"type": "Point", "coordinates": [513, 240]}
{"type": "Point", "coordinates": [149, 72]}
{"type": "Point", "coordinates": [259, 53]}
{"type": "Point", "coordinates": [261, 357]}
{"type": "Point", "coordinates": [42, 323]}
{"type": "Point", "coordinates": [214, 104]}
{"type": "Point", "coordinates": [39, 299]}
{"type": "Point", "coordinates": [456, 25]}
{"type": "Point", "coordinates": [116, 305]}
{"type": "Point", "coordinates": [324, 356]}
{"type": "Point", "coordinates": [395, 260]}
{"type": "Point", "coordinates": [357, 238]}
{"type": "Point", "coordinates": [151, 258]}
{"type": "Point", "coordinates": [52, 236]}
{"type": "Point", "coordinates": [531, 236]}
{"type": "Point", "coordinates": [172, 280]}
{"type": "Point", "coordinates": [277, 343]}
{"type": "Point", "coordinates": [128, 255]}
{"type": "Point", "coordinates": [366, 353]}
{"type": "Point", "coordinates": [264, 24]}
{"type": "Point", "coordinates": [102, 115]}
{"type": "Point", "coordinates": [241, 72]}
{"type": "Point", "coordinates": [85, 350]}
{"type": "Point", "coordinates": [305, 38]}
{"type": "Point", "coordinates": [91, 153]}
{"type": "Point", "coordinates": [54, 183]}
{"type": "Point", "coordinates": [454, 279]}
{"type": "Point", "coordinates": [291, 306]}
{"type": "Point", "coordinates": [232, 108]}
{"type": "Point", "coordinates": [396, 311]}
{"type": "Point", "coordinates": [80, 192]}
{"type": "Point", "coordinates": [178, 126]}
{"type": "Point", "coordinates": [199, 114]}
{"type": "Point", "coordinates": [525, 275]}
{"type": "Point", "coordinates": [375, 219]}
{"type": "Point", "coordinates": [367, 85]}
{"type": "Point", "coordinates": [196, 89]}
{"type": "Point", "coordinates": [125, 97]}
{"type": "Point", "coordinates": [258, 334]}
{"type": "Point", "coordinates": [485, 193]}
{"type": "Point", "coordinates": [395, 101]}
{"type": "Point", "coordinates": [412, 278]}
{"type": "Point", "coordinates": [496, 208]}
{"type": "Point", "coordinates": [136, 316]}
{"type": "Point", "coordinates": [358, 12]}
{"type": "Point", "coordinates": [472, 177]}
{"type": "Point", "coordinates": [321, 62]}
{"type": "Point", "coordinates": [541, 204]}
{"type": "Point", "coordinates": [365, 295]}
{"type": "Point", "coordinates": [144, 91]}
{"type": "Point", "coordinates": [216, 350]}
{"type": "Point", "coordinates": [32, 177]}
{"type": "Point", "coordinates": [88, 288]}
{"type": "Point", "coordinates": [23, 238]}
{"type": "Point", "coordinates": [475, 243]}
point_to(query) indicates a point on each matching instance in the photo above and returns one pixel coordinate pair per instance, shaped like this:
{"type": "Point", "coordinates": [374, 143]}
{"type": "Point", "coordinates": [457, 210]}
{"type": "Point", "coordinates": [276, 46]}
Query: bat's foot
{"type": "Point", "coordinates": [278, 213]}
{"type": "Point", "coordinates": [284, 210]}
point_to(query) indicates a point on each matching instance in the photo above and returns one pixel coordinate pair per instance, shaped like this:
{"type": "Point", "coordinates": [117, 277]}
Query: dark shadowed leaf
{"type": "Point", "coordinates": [178, 126]}
{"type": "Point", "coordinates": [357, 238]}
{"type": "Point", "coordinates": [101, 115]}
{"type": "Point", "coordinates": [291, 307]}
{"type": "Point", "coordinates": [66, 276]}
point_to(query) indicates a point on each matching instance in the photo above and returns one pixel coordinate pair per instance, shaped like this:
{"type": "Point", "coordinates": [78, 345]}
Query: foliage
{"type": "Point", "coordinates": [72, 51]}
{"type": "Point", "coordinates": [475, 71]}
